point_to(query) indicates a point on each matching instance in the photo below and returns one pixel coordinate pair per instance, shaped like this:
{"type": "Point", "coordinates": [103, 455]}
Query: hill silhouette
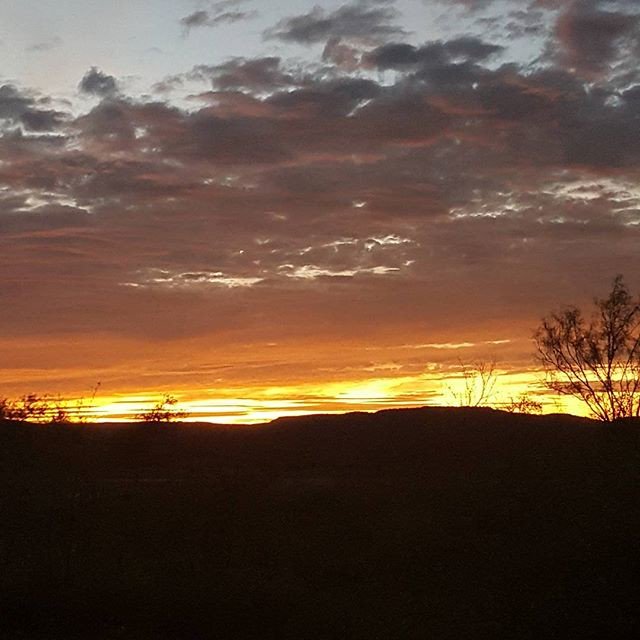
{"type": "Point", "coordinates": [418, 523]}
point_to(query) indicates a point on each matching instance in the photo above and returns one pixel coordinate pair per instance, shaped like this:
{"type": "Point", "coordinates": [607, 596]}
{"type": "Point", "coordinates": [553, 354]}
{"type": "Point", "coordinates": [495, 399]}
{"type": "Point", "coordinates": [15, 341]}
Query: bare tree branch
{"type": "Point", "coordinates": [597, 362]}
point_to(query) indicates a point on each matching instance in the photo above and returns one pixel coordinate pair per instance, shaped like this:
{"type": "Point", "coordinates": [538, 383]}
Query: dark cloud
{"type": "Point", "coordinates": [232, 16]}
{"type": "Point", "coordinates": [593, 34]}
{"type": "Point", "coordinates": [233, 140]}
{"type": "Point", "coordinates": [403, 56]}
{"type": "Point", "coordinates": [110, 121]}
{"type": "Point", "coordinates": [18, 108]}
{"type": "Point", "coordinates": [363, 20]}
{"type": "Point", "coordinates": [195, 19]}
{"type": "Point", "coordinates": [98, 83]}
{"type": "Point", "coordinates": [257, 74]}
{"type": "Point", "coordinates": [220, 13]}
{"type": "Point", "coordinates": [332, 98]}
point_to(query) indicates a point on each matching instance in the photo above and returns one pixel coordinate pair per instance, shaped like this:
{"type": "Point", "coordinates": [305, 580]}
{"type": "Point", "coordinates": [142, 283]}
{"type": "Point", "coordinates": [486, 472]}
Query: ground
{"type": "Point", "coordinates": [427, 523]}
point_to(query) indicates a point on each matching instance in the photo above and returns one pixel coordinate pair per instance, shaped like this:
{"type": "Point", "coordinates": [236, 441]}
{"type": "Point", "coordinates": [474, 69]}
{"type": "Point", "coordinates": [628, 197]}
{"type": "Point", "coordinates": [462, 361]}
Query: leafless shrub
{"type": "Point", "coordinates": [46, 409]}
{"type": "Point", "coordinates": [35, 408]}
{"type": "Point", "coordinates": [163, 411]}
{"type": "Point", "coordinates": [84, 405]}
{"type": "Point", "coordinates": [524, 404]}
{"type": "Point", "coordinates": [478, 384]}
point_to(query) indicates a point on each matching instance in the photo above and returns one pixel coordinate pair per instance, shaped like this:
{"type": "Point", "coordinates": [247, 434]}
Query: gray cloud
{"type": "Point", "coordinates": [17, 107]}
{"type": "Point", "coordinates": [225, 12]}
{"type": "Point", "coordinates": [232, 16]}
{"type": "Point", "coordinates": [405, 56]}
{"type": "Point", "coordinates": [98, 83]}
{"type": "Point", "coordinates": [257, 74]}
{"type": "Point", "coordinates": [364, 20]}
{"type": "Point", "coordinates": [196, 19]}
{"type": "Point", "coordinates": [596, 38]}
{"type": "Point", "coordinates": [46, 45]}
{"type": "Point", "coordinates": [593, 34]}
{"type": "Point", "coordinates": [205, 19]}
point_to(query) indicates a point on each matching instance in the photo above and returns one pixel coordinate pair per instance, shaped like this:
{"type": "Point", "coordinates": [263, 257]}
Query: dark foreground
{"type": "Point", "coordinates": [429, 524]}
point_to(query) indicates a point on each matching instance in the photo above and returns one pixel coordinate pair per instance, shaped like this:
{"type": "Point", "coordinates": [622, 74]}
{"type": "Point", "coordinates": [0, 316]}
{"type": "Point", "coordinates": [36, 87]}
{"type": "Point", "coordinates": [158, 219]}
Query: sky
{"type": "Point", "coordinates": [273, 208]}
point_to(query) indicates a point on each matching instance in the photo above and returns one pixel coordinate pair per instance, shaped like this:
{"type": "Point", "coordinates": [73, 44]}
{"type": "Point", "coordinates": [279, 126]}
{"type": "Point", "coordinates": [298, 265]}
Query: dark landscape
{"type": "Point", "coordinates": [241, 210]}
{"type": "Point", "coordinates": [426, 523]}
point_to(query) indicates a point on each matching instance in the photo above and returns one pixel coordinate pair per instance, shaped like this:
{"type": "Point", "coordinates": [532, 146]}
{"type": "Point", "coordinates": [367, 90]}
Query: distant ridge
{"type": "Point", "coordinates": [426, 415]}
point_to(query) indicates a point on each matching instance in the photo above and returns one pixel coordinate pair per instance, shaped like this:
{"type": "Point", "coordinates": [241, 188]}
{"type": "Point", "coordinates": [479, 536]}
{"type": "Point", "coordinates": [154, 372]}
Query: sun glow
{"type": "Point", "coordinates": [259, 405]}
{"type": "Point", "coordinates": [250, 383]}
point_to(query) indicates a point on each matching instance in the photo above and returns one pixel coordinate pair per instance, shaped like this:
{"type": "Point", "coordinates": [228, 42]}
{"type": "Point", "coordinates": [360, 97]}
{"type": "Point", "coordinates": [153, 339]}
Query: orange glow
{"type": "Point", "coordinates": [259, 405]}
{"type": "Point", "coordinates": [227, 381]}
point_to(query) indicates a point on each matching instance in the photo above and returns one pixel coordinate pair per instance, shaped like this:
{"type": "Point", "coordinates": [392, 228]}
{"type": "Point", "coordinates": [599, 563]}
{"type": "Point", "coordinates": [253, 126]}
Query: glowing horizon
{"type": "Point", "coordinates": [256, 406]}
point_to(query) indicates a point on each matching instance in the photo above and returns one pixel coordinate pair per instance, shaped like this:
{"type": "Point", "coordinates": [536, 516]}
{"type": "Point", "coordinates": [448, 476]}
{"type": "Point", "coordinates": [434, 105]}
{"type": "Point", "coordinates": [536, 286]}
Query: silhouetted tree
{"type": "Point", "coordinates": [478, 383]}
{"type": "Point", "coordinates": [596, 361]}
{"type": "Point", "coordinates": [163, 411]}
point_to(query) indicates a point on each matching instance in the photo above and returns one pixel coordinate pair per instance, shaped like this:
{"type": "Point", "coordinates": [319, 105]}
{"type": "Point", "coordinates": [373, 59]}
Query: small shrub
{"type": "Point", "coordinates": [163, 411]}
{"type": "Point", "coordinates": [35, 408]}
{"type": "Point", "coordinates": [83, 406]}
{"type": "Point", "coordinates": [524, 404]}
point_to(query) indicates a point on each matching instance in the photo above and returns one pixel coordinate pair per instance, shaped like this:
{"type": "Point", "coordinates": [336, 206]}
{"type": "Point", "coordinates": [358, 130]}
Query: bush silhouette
{"type": "Point", "coordinates": [163, 411]}
{"type": "Point", "coordinates": [524, 404]}
{"type": "Point", "coordinates": [35, 408]}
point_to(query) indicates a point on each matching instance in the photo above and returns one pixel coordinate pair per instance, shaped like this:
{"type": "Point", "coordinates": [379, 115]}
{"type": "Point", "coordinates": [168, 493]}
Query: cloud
{"type": "Point", "coordinates": [232, 16]}
{"type": "Point", "coordinates": [341, 54]}
{"type": "Point", "coordinates": [98, 83]}
{"type": "Point", "coordinates": [443, 185]}
{"type": "Point", "coordinates": [224, 12]}
{"type": "Point", "coordinates": [46, 45]}
{"type": "Point", "coordinates": [593, 34]}
{"type": "Point", "coordinates": [41, 219]}
{"type": "Point", "coordinates": [255, 74]}
{"type": "Point", "coordinates": [405, 56]}
{"type": "Point", "coordinates": [480, 5]}
{"type": "Point", "coordinates": [471, 5]}
{"type": "Point", "coordinates": [364, 20]}
{"type": "Point", "coordinates": [19, 108]}
{"type": "Point", "coordinates": [196, 19]}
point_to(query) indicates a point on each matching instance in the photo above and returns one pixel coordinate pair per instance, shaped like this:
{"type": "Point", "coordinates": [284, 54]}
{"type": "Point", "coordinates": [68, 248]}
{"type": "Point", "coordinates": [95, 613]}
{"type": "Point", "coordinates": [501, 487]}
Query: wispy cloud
{"type": "Point", "coordinates": [45, 45]}
{"type": "Point", "coordinates": [225, 12]}
{"type": "Point", "coordinates": [364, 19]}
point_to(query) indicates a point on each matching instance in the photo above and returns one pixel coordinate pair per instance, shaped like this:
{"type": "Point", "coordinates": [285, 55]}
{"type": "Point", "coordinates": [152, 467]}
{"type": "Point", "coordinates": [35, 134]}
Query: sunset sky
{"type": "Point", "coordinates": [269, 208]}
